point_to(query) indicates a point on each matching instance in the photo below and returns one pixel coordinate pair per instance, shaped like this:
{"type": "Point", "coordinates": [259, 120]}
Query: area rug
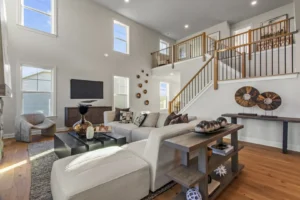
{"type": "Point", "coordinates": [42, 157]}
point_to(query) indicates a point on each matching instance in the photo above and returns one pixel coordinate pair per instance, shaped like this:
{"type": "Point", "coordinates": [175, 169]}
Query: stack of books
{"type": "Point", "coordinates": [222, 149]}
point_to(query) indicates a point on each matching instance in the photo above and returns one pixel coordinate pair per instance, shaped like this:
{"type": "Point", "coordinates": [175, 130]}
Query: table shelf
{"type": "Point", "coordinates": [189, 176]}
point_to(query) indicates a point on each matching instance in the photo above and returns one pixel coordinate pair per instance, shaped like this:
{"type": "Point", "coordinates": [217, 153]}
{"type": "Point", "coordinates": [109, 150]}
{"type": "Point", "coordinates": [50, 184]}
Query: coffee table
{"type": "Point", "coordinates": [67, 144]}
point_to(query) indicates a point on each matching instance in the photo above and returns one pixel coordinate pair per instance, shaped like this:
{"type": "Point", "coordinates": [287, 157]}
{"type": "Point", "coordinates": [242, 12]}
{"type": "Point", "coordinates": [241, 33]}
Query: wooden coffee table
{"type": "Point", "coordinates": [67, 144]}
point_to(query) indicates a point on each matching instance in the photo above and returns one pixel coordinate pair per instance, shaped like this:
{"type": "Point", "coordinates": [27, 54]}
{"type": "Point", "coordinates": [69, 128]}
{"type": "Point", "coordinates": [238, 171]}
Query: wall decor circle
{"type": "Point", "coordinates": [269, 101]}
{"type": "Point", "coordinates": [246, 96]}
{"type": "Point", "coordinates": [140, 85]}
{"type": "Point", "coordinates": [147, 74]}
{"type": "Point", "coordinates": [138, 76]}
{"type": "Point", "coordinates": [147, 102]}
{"type": "Point", "coordinates": [145, 91]}
{"type": "Point", "coordinates": [143, 71]}
{"type": "Point", "coordinates": [146, 81]}
{"type": "Point", "coordinates": [138, 95]}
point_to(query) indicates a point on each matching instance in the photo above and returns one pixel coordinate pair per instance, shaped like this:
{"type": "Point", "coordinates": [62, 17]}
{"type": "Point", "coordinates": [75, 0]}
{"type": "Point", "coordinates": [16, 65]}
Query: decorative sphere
{"type": "Point", "coordinates": [222, 121]}
{"type": "Point", "coordinates": [193, 194]}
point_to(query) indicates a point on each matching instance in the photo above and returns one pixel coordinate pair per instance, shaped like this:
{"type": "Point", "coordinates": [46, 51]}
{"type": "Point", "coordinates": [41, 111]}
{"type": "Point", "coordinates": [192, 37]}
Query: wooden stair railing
{"type": "Point", "coordinates": [199, 81]}
{"type": "Point", "coordinates": [270, 56]}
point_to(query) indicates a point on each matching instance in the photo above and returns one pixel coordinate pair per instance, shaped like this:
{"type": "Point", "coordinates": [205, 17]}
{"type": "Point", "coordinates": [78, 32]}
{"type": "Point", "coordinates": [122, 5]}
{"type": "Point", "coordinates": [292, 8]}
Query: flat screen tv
{"type": "Point", "coordinates": [81, 89]}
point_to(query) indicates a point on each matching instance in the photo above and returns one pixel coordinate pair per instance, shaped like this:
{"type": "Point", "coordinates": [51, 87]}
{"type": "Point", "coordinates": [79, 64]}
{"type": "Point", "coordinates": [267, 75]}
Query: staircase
{"type": "Point", "coordinates": [267, 51]}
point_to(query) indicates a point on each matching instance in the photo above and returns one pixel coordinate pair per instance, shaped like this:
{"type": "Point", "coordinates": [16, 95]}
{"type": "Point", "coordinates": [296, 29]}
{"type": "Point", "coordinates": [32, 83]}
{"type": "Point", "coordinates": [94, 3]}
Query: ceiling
{"type": "Point", "coordinates": [169, 16]}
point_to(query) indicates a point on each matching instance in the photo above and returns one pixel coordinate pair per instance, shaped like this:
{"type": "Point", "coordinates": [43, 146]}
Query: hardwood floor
{"type": "Point", "coordinates": [268, 174]}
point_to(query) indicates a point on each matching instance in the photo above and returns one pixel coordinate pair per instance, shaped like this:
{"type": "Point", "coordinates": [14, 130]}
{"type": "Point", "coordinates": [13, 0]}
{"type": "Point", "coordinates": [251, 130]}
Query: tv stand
{"type": "Point", "coordinates": [94, 115]}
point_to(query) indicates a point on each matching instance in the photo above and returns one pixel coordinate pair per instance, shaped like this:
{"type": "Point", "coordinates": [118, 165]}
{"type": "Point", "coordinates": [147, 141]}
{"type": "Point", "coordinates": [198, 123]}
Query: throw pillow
{"type": "Point", "coordinates": [151, 120]}
{"type": "Point", "coordinates": [118, 113]}
{"type": "Point", "coordinates": [170, 118]}
{"type": "Point", "coordinates": [139, 120]}
{"type": "Point", "coordinates": [180, 120]}
{"type": "Point", "coordinates": [126, 117]}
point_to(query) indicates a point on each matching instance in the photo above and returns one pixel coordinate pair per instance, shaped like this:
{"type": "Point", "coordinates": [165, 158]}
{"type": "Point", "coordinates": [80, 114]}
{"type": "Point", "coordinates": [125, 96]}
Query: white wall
{"type": "Point", "coordinates": [215, 103]}
{"type": "Point", "coordinates": [254, 22]}
{"type": "Point", "coordinates": [223, 27]}
{"type": "Point", "coordinates": [84, 36]}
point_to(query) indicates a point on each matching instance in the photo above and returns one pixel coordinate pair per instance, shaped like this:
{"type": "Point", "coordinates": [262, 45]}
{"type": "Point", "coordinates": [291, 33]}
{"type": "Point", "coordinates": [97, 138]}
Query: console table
{"type": "Point", "coordinates": [284, 120]}
{"type": "Point", "coordinates": [197, 171]}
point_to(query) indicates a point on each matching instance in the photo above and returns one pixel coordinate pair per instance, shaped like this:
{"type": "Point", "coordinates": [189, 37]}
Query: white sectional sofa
{"type": "Point", "coordinates": [132, 132]}
{"type": "Point", "coordinates": [126, 173]}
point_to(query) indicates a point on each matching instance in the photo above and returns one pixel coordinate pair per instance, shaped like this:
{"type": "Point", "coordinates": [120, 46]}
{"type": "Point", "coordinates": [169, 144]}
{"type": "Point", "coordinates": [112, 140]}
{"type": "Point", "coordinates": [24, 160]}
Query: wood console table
{"type": "Point", "coordinates": [284, 120]}
{"type": "Point", "coordinates": [196, 171]}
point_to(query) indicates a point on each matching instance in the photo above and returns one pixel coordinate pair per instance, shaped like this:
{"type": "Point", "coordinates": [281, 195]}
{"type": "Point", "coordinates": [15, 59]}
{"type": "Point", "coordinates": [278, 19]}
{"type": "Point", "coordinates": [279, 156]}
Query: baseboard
{"type": "Point", "coordinates": [12, 135]}
{"type": "Point", "coordinates": [269, 143]}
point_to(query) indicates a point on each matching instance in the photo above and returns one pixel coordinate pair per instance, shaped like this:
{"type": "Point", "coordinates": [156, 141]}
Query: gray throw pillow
{"type": "Point", "coordinates": [151, 120]}
{"type": "Point", "coordinates": [170, 118]}
{"type": "Point", "coordinates": [139, 120]}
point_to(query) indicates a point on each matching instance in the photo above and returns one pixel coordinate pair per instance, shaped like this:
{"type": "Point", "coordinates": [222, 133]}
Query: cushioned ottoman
{"type": "Point", "coordinates": [111, 173]}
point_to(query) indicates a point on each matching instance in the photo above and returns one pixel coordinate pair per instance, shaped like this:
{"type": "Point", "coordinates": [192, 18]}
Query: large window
{"type": "Point", "coordinates": [164, 47]}
{"type": "Point", "coordinates": [121, 37]}
{"type": "Point", "coordinates": [38, 90]}
{"type": "Point", "coordinates": [121, 92]}
{"type": "Point", "coordinates": [38, 15]}
{"type": "Point", "coordinates": [164, 95]}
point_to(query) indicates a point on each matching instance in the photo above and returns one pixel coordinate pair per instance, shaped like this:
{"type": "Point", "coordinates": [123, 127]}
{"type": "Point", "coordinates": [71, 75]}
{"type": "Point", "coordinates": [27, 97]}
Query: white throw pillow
{"type": "Point", "coordinates": [126, 117]}
{"type": "Point", "coordinates": [151, 120]}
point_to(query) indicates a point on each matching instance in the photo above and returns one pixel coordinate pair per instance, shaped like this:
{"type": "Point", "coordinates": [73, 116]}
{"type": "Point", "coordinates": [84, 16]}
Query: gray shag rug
{"type": "Point", "coordinates": [42, 157]}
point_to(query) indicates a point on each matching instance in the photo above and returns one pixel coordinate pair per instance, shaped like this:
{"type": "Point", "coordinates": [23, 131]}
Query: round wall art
{"type": "Point", "coordinates": [147, 102]}
{"type": "Point", "coordinates": [140, 85]}
{"type": "Point", "coordinates": [269, 101]}
{"type": "Point", "coordinates": [147, 74]}
{"type": "Point", "coordinates": [246, 96]}
{"type": "Point", "coordinates": [145, 91]}
{"type": "Point", "coordinates": [138, 76]}
{"type": "Point", "coordinates": [138, 95]}
{"type": "Point", "coordinates": [143, 71]}
{"type": "Point", "coordinates": [146, 81]}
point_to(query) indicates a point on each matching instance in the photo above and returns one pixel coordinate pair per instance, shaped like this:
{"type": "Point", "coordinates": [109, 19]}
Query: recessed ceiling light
{"type": "Point", "coordinates": [106, 55]}
{"type": "Point", "coordinates": [186, 26]}
{"type": "Point", "coordinates": [126, 1]}
{"type": "Point", "coordinates": [253, 3]}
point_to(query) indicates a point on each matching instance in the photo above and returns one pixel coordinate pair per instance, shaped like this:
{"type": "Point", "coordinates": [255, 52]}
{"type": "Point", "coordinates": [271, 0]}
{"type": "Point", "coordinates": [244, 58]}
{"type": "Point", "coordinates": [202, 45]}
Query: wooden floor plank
{"type": "Point", "coordinates": [268, 174]}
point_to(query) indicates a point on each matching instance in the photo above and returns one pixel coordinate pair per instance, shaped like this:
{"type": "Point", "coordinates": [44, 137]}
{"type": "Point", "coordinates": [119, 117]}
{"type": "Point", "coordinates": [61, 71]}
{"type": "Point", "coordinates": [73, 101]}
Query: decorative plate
{"type": "Point", "coordinates": [146, 102]}
{"type": "Point", "coordinates": [147, 74]}
{"type": "Point", "coordinates": [145, 91]}
{"type": "Point", "coordinates": [138, 95]}
{"type": "Point", "coordinates": [246, 96]}
{"type": "Point", "coordinates": [140, 85]}
{"type": "Point", "coordinates": [143, 71]}
{"type": "Point", "coordinates": [146, 81]}
{"type": "Point", "coordinates": [269, 101]}
{"type": "Point", "coordinates": [138, 76]}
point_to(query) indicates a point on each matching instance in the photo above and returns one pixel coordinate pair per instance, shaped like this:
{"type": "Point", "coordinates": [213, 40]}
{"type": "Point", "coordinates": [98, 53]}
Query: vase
{"type": "Point", "coordinates": [81, 126]}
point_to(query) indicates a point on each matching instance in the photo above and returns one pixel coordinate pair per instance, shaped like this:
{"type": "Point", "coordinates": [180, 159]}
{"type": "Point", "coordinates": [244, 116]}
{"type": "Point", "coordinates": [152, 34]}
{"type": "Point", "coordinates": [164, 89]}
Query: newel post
{"type": "Point", "coordinates": [170, 107]}
{"type": "Point", "coordinates": [250, 44]}
{"type": "Point", "coordinates": [204, 46]}
{"type": "Point", "coordinates": [216, 70]}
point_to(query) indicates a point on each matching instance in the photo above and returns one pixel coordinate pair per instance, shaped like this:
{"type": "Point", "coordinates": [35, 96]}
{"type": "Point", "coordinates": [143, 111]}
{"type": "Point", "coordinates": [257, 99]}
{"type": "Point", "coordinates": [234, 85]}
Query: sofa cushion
{"type": "Point", "coordinates": [161, 120]}
{"type": "Point", "coordinates": [170, 118]}
{"type": "Point", "coordinates": [123, 129]}
{"type": "Point", "coordinates": [141, 133]}
{"type": "Point", "coordinates": [180, 120]}
{"type": "Point", "coordinates": [118, 113]}
{"type": "Point", "coordinates": [151, 120]}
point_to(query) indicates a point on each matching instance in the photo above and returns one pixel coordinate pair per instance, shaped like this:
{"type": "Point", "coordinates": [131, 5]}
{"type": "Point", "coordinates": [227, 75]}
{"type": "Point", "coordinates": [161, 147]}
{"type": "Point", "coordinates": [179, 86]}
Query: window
{"type": "Point", "coordinates": [37, 90]}
{"type": "Point", "coordinates": [38, 15]}
{"type": "Point", "coordinates": [164, 47]}
{"type": "Point", "coordinates": [121, 37]}
{"type": "Point", "coordinates": [121, 92]}
{"type": "Point", "coordinates": [164, 95]}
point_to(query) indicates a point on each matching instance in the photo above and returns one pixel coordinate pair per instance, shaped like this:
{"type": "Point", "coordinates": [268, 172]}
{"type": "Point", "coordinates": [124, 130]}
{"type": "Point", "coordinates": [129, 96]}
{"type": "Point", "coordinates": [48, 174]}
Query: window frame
{"type": "Point", "coordinates": [53, 92]}
{"type": "Point", "coordinates": [168, 95]}
{"type": "Point", "coordinates": [127, 38]}
{"type": "Point", "coordinates": [53, 15]}
{"type": "Point", "coordinates": [165, 50]}
{"type": "Point", "coordinates": [128, 90]}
